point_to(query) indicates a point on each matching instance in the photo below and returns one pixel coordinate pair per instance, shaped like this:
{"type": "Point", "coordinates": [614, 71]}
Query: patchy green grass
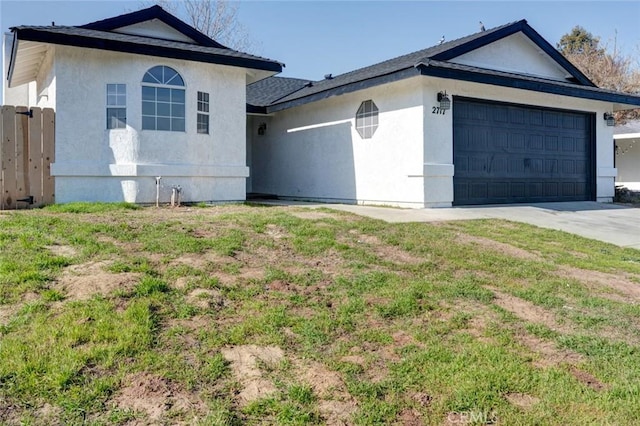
{"type": "Point", "coordinates": [111, 314]}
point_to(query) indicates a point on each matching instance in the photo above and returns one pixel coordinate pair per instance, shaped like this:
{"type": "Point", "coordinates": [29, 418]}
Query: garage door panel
{"type": "Point", "coordinates": [550, 167]}
{"type": "Point", "coordinates": [535, 118]}
{"type": "Point", "coordinates": [551, 143]}
{"type": "Point", "coordinates": [517, 116]}
{"type": "Point", "coordinates": [539, 155]}
{"type": "Point", "coordinates": [536, 143]}
{"type": "Point", "coordinates": [517, 141]}
{"type": "Point", "coordinates": [501, 114]}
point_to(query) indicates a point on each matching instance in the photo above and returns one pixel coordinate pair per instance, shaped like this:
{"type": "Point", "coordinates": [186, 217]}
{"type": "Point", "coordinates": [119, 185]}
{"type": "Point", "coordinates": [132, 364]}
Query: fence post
{"type": "Point", "coordinates": [22, 156]}
{"type": "Point", "coordinates": [8, 157]}
{"type": "Point", "coordinates": [48, 155]}
{"type": "Point", "coordinates": [36, 171]}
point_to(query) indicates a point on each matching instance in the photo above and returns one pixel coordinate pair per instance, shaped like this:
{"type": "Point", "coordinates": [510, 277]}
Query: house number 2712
{"type": "Point", "coordinates": [438, 110]}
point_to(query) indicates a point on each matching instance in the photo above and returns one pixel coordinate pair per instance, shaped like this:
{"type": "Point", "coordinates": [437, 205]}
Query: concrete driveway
{"type": "Point", "coordinates": [610, 223]}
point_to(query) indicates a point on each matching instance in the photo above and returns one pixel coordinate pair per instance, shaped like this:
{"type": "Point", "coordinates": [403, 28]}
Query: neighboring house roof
{"type": "Point", "coordinates": [628, 130]}
{"type": "Point", "coordinates": [434, 61]}
{"type": "Point", "coordinates": [99, 35]}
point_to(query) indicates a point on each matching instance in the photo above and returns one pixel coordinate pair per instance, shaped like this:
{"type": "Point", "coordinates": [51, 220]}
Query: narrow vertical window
{"type": "Point", "coordinates": [203, 113]}
{"type": "Point", "coordinates": [116, 106]}
{"type": "Point", "coordinates": [367, 119]}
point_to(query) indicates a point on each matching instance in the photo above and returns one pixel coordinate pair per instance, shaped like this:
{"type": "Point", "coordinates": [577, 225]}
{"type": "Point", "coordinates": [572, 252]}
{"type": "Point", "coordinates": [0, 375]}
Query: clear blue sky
{"type": "Point", "coordinates": [314, 38]}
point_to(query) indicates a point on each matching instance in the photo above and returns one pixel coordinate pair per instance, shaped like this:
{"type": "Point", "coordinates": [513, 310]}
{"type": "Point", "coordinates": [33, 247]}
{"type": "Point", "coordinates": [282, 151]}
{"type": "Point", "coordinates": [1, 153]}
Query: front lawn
{"type": "Point", "coordinates": [240, 314]}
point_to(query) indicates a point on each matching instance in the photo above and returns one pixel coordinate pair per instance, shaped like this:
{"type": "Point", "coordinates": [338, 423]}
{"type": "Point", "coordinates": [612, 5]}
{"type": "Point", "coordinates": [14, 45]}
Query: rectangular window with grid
{"type": "Point", "coordinates": [116, 106]}
{"type": "Point", "coordinates": [203, 113]}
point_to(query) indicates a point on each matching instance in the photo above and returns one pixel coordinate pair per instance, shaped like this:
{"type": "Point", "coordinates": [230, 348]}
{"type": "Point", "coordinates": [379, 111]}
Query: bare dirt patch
{"type": "Point", "coordinates": [314, 215]}
{"type": "Point", "coordinates": [81, 282]}
{"type": "Point", "coordinates": [522, 400]}
{"type": "Point", "coordinates": [208, 260]}
{"type": "Point", "coordinates": [354, 359]}
{"type": "Point", "coordinates": [156, 397]}
{"type": "Point", "coordinates": [62, 250]}
{"type": "Point", "coordinates": [384, 251]}
{"type": "Point", "coordinates": [629, 290]}
{"type": "Point", "coordinates": [481, 319]}
{"type": "Point", "coordinates": [587, 379]}
{"type": "Point", "coordinates": [7, 312]}
{"type": "Point", "coordinates": [245, 366]}
{"type": "Point", "coordinates": [424, 399]}
{"type": "Point", "coordinates": [548, 352]}
{"type": "Point", "coordinates": [503, 248]}
{"type": "Point", "coordinates": [410, 417]}
{"type": "Point", "coordinates": [276, 232]}
{"type": "Point", "coordinates": [205, 298]}
{"type": "Point", "coordinates": [526, 310]}
{"type": "Point", "coordinates": [335, 403]}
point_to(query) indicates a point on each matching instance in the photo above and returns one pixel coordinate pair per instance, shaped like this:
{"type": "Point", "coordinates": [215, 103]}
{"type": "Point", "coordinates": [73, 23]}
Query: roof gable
{"type": "Point", "coordinates": [485, 38]}
{"type": "Point", "coordinates": [515, 53]}
{"type": "Point", "coordinates": [461, 59]}
{"type": "Point", "coordinates": [132, 20]}
{"type": "Point", "coordinates": [155, 29]}
{"type": "Point", "coordinates": [150, 32]}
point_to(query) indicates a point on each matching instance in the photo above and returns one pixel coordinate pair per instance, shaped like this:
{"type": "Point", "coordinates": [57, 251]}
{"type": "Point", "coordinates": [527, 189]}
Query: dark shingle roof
{"type": "Point", "coordinates": [434, 61]}
{"type": "Point", "coordinates": [265, 92]}
{"type": "Point", "coordinates": [99, 35]}
{"type": "Point", "coordinates": [521, 81]}
{"type": "Point", "coordinates": [153, 12]}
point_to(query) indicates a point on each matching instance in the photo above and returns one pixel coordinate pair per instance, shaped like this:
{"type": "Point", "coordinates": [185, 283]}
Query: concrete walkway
{"type": "Point", "coordinates": [610, 223]}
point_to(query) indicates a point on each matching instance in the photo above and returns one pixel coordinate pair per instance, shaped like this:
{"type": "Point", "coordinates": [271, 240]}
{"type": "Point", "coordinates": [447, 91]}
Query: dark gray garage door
{"type": "Point", "coordinates": [505, 153]}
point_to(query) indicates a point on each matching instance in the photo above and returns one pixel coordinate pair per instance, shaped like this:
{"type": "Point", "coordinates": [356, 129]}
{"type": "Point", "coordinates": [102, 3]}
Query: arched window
{"type": "Point", "coordinates": [163, 100]}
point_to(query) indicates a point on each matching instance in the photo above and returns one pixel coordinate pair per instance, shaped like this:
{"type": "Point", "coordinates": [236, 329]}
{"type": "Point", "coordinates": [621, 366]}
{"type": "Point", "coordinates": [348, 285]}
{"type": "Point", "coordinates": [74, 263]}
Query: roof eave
{"type": "Point", "coordinates": [12, 60]}
{"type": "Point", "coordinates": [625, 136]}
{"type": "Point", "coordinates": [538, 86]}
{"type": "Point", "coordinates": [258, 110]}
{"type": "Point", "coordinates": [344, 89]}
{"type": "Point", "coordinates": [31, 34]}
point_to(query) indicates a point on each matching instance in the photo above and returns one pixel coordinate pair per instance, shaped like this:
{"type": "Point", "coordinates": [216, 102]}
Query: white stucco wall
{"type": "Point", "coordinates": [315, 152]}
{"type": "Point", "coordinates": [96, 164]}
{"type": "Point", "coordinates": [628, 163]}
{"type": "Point", "coordinates": [515, 53]}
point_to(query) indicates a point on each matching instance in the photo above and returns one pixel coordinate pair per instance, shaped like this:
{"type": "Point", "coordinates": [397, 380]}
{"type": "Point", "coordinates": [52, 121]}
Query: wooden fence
{"type": "Point", "coordinates": [26, 154]}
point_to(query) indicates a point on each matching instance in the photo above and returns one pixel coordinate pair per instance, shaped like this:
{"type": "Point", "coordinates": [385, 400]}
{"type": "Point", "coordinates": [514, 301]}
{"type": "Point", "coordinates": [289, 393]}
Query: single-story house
{"type": "Point", "coordinates": [499, 116]}
{"type": "Point", "coordinates": [139, 96]}
{"type": "Point", "coordinates": [627, 154]}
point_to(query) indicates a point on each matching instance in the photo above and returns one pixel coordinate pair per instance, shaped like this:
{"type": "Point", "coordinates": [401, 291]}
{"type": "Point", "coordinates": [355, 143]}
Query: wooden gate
{"type": "Point", "coordinates": [26, 154]}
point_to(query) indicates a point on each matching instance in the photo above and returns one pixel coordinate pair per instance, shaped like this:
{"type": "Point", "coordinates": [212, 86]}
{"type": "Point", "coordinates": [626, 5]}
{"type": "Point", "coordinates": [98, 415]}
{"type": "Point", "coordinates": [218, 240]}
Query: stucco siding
{"type": "Point", "coordinates": [628, 163]}
{"type": "Point", "coordinates": [439, 134]}
{"type": "Point", "coordinates": [196, 162]}
{"type": "Point", "coordinates": [315, 152]}
{"type": "Point", "coordinates": [515, 53]}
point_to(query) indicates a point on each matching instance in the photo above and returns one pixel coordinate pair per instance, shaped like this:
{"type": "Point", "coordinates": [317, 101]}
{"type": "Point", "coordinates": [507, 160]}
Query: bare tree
{"type": "Point", "coordinates": [608, 70]}
{"type": "Point", "coordinates": [216, 18]}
